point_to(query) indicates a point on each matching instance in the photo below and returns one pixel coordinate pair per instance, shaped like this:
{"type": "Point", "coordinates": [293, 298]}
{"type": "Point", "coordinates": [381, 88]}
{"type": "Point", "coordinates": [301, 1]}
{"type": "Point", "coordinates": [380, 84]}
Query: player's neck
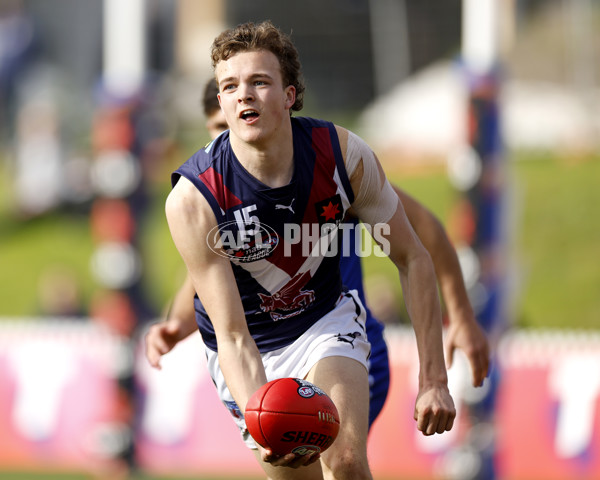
{"type": "Point", "coordinates": [271, 162]}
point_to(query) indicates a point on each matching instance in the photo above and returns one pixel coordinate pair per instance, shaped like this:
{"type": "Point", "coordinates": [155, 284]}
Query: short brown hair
{"type": "Point", "coordinates": [263, 36]}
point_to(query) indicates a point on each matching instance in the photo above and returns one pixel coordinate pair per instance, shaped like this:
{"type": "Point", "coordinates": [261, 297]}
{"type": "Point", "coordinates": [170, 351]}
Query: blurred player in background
{"type": "Point", "coordinates": [463, 330]}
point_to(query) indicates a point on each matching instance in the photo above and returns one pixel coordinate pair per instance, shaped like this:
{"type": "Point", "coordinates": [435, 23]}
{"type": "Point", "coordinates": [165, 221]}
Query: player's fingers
{"type": "Point", "coordinates": [477, 365]}
{"type": "Point", "coordinates": [290, 460]}
{"type": "Point", "coordinates": [171, 328]}
{"type": "Point", "coordinates": [423, 422]}
{"type": "Point", "coordinates": [313, 457]}
{"type": "Point", "coordinates": [450, 421]}
{"type": "Point", "coordinates": [153, 358]}
{"type": "Point", "coordinates": [478, 382]}
{"type": "Point", "coordinates": [157, 341]}
{"type": "Point", "coordinates": [437, 422]}
{"type": "Point", "coordinates": [151, 354]}
{"type": "Point", "coordinates": [480, 366]}
{"type": "Point", "coordinates": [432, 427]}
{"type": "Point", "coordinates": [441, 424]}
{"type": "Point", "coordinates": [156, 345]}
{"type": "Point", "coordinates": [445, 421]}
{"type": "Point", "coordinates": [487, 369]}
{"type": "Point", "coordinates": [267, 456]}
{"type": "Point", "coordinates": [302, 460]}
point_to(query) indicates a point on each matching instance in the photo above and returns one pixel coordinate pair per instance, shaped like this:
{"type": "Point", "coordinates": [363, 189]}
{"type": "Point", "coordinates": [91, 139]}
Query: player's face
{"type": "Point", "coordinates": [253, 97]}
{"type": "Point", "coordinates": [216, 123]}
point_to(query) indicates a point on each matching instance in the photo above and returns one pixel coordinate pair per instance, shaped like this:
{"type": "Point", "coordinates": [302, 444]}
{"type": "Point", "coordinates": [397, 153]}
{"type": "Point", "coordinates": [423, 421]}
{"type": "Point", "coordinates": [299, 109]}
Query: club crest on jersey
{"type": "Point", "coordinates": [243, 245]}
{"type": "Point", "coordinates": [290, 300]}
{"type": "Point", "coordinates": [330, 210]}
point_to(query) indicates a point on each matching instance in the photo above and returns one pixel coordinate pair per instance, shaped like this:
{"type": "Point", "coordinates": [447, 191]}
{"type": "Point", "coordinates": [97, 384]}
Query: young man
{"type": "Point", "coordinates": [280, 310]}
{"type": "Point", "coordinates": [463, 331]}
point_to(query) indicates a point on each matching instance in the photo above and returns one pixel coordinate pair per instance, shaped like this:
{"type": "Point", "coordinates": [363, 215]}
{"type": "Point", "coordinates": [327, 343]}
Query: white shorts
{"type": "Point", "coordinates": [339, 333]}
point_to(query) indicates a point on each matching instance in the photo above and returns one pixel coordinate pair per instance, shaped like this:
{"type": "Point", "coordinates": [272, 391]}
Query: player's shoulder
{"type": "Point", "coordinates": [181, 195]}
{"type": "Point", "coordinates": [351, 144]}
{"type": "Point", "coordinates": [188, 213]}
{"type": "Point", "coordinates": [185, 201]}
{"type": "Point", "coordinates": [308, 124]}
{"type": "Point", "coordinates": [342, 134]}
{"type": "Point", "coordinates": [202, 160]}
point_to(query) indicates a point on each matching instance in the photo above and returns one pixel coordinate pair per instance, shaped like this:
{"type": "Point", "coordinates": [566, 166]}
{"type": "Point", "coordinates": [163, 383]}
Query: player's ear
{"type": "Point", "coordinates": [290, 96]}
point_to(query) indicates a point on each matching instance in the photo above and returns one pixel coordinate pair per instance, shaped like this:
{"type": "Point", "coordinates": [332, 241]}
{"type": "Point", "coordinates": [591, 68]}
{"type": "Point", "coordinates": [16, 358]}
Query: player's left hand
{"type": "Point", "coordinates": [290, 460]}
{"type": "Point", "coordinates": [161, 339]}
{"type": "Point", "coordinates": [469, 337]}
{"type": "Point", "coordinates": [434, 410]}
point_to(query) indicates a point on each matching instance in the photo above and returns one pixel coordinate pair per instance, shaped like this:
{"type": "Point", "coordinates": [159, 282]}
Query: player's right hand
{"type": "Point", "coordinates": [434, 410]}
{"type": "Point", "coordinates": [160, 339]}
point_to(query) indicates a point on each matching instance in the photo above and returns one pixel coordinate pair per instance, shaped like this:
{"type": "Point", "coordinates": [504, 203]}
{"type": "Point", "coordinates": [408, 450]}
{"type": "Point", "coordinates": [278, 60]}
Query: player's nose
{"type": "Point", "coordinates": [245, 93]}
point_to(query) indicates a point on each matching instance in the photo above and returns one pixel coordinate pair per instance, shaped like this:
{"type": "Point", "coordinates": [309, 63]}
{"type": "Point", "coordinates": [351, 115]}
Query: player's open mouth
{"type": "Point", "coordinates": [249, 115]}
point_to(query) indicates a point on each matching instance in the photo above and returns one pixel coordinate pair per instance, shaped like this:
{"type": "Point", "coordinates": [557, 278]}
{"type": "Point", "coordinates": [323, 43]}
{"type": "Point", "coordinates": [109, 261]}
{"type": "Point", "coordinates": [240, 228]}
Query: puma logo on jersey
{"type": "Point", "coordinates": [348, 337]}
{"type": "Point", "coordinates": [278, 206]}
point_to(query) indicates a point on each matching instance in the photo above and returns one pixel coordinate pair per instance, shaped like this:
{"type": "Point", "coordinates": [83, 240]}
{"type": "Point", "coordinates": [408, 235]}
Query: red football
{"type": "Point", "coordinates": [292, 415]}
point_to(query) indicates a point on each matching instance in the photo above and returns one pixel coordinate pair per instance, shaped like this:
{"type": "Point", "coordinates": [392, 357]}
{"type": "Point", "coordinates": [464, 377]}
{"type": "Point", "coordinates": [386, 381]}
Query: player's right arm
{"type": "Point", "coordinates": [190, 220]}
{"type": "Point", "coordinates": [375, 204]}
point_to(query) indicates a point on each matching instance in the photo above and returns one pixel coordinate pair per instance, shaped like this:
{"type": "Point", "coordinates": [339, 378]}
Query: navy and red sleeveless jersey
{"type": "Point", "coordinates": [284, 285]}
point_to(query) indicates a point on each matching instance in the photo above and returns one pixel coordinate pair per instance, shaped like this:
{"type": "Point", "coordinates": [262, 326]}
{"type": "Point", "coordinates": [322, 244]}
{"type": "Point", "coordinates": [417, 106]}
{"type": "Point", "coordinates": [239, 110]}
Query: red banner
{"type": "Point", "coordinates": [60, 408]}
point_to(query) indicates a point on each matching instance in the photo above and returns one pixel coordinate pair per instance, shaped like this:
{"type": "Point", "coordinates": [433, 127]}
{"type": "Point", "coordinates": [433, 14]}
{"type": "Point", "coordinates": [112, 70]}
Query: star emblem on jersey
{"type": "Point", "coordinates": [330, 210]}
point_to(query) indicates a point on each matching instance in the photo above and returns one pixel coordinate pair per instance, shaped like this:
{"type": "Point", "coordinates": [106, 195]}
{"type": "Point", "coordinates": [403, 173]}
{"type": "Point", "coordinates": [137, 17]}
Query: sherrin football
{"type": "Point", "coordinates": [292, 415]}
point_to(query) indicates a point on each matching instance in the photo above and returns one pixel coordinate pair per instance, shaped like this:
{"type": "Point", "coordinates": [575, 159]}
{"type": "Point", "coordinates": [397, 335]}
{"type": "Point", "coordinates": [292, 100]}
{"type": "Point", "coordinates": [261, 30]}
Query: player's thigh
{"type": "Point", "coordinates": [346, 382]}
{"type": "Point", "coordinates": [311, 472]}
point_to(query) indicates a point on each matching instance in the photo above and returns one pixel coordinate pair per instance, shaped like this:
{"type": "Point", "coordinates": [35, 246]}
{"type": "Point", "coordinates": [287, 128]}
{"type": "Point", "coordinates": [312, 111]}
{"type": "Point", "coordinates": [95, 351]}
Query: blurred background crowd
{"type": "Point", "coordinates": [101, 100]}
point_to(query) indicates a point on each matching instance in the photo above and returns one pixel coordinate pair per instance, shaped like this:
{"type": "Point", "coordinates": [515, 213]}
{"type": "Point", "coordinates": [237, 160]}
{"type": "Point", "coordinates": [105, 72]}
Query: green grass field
{"type": "Point", "coordinates": [556, 243]}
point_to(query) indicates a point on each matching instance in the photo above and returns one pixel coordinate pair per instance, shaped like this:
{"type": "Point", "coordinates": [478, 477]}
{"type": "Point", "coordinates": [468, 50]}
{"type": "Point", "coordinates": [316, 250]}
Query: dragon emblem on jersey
{"type": "Point", "coordinates": [290, 300]}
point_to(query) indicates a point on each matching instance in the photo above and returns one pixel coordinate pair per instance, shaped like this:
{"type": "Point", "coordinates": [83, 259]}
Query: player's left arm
{"type": "Point", "coordinates": [376, 203]}
{"type": "Point", "coordinates": [463, 332]}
